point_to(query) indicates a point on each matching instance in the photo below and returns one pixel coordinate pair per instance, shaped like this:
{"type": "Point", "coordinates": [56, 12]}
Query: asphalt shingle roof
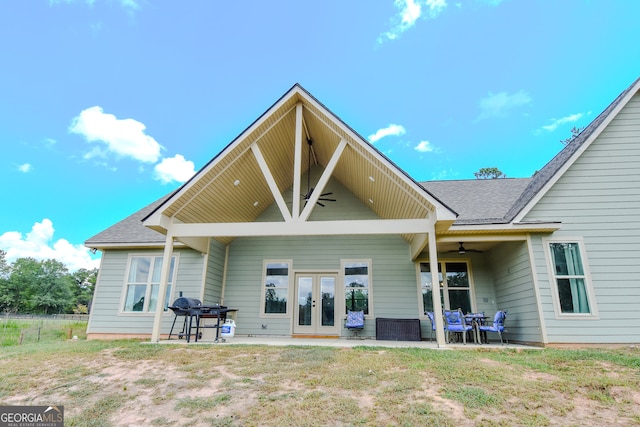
{"type": "Point", "coordinates": [130, 230]}
{"type": "Point", "coordinates": [479, 201]}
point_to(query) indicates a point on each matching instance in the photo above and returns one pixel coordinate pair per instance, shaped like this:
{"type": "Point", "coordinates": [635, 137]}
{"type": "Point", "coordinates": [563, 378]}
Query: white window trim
{"type": "Point", "coordinates": [123, 296]}
{"type": "Point", "coordinates": [263, 289]}
{"type": "Point", "coordinates": [553, 284]}
{"type": "Point", "coordinates": [472, 291]}
{"type": "Point", "coordinates": [341, 277]}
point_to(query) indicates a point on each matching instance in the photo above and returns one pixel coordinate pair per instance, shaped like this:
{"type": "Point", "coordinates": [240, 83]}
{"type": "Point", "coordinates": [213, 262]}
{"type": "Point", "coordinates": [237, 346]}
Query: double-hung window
{"type": "Point", "coordinates": [572, 290]}
{"type": "Point", "coordinates": [276, 286]}
{"type": "Point", "coordinates": [357, 285]}
{"type": "Point", "coordinates": [143, 284]}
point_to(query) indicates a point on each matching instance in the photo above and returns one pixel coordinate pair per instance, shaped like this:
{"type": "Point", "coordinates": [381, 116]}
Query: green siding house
{"type": "Point", "coordinates": [300, 219]}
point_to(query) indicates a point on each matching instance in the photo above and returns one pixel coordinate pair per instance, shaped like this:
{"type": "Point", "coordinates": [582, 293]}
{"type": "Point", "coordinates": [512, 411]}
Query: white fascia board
{"type": "Point", "coordinates": [442, 211]}
{"type": "Point", "coordinates": [509, 228]}
{"type": "Point", "coordinates": [307, 228]}
{"type": "Point", "coordinates": [158, 220]}
{"type": "Point", "coordinates": [232, 146]}
{"type": "Point", "coordinates": [133, 245]}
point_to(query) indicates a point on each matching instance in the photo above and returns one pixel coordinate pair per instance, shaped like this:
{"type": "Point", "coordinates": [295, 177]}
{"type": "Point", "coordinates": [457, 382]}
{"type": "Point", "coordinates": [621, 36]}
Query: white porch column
{"type": "Point", "coordinates": [297, 164]}
{"type": "Point", "coordinates": [164, 282]}
{"type": "Point", "coordinates": [435, 288]}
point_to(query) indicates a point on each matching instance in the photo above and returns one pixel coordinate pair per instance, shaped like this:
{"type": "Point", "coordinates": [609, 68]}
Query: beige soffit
{"type": "Point", "coordinates": [256, 170]}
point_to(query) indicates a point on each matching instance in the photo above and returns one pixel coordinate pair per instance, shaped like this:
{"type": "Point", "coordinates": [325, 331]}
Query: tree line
{"type": "Point", "coordinates": [29, 286]}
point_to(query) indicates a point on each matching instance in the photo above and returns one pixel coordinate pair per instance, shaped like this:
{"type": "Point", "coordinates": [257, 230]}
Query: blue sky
{"type": "Point", "coordinates": [107, 105]}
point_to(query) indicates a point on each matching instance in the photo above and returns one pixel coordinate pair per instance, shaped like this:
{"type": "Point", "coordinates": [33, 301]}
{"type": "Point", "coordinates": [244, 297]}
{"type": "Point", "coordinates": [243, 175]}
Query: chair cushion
{"type": "Point", "coordinates": [355, 320]}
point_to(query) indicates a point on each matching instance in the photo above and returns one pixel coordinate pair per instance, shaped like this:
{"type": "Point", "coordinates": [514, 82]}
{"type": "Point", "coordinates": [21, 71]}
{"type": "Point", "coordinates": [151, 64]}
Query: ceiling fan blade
{"type": "Point", "coordinates": [327, 200]}
{"type": "Point", "coordinates": [326, 194]}
{"type": "Point", "coordinates": [320, 204]}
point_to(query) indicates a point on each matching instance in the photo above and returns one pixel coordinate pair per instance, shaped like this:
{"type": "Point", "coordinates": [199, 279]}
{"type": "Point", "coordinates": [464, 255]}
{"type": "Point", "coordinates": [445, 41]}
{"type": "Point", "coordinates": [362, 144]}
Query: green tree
{"type": "Point", "coordinates": [52, 292]}
{"type": "Point", "coordinates": [574, 134]}
{"type": "Point", "coordinates": [5, 268]}
{"type": "Point", "coordinates": [489, 173]}
{"type": "Point", "coordinates": [38, 287]}
{"type": "Point", "coordinates": [14, 295]}
{"type": "Point", "coordinates": [83, 285]}
{"type": "Point", "coordinates": [6, 291]}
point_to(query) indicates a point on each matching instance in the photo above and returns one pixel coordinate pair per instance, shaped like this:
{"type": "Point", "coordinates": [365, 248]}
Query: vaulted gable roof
{"type": "Point", "coordinates": [267, 160]}
{"type": "Point", "coordinates": [544, 179]}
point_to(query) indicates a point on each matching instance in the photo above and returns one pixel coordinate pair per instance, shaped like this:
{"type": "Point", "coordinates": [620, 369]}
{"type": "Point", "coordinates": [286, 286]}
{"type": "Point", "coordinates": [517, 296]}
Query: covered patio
{"type": "Point", "coordinates": [348, 343]}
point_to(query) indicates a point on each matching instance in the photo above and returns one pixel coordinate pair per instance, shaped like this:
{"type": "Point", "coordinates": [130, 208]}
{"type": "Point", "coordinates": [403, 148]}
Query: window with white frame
{"type": "Point", "coordinates": [357, 285]}
{"type": "Point", "coordinates": [143, 284]}
{"type": "Point", "coordinates": [276, 286]}
{"type": "Point", "coordinates": [454, 282]}
{"type": "Point", "coordinates": [571, 284]}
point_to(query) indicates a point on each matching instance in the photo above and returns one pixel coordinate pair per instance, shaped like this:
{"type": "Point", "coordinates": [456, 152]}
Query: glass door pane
{"type": "Point", "coordinates": [328, 292]}
{"type": "Point", "coordinates": [305, 299]}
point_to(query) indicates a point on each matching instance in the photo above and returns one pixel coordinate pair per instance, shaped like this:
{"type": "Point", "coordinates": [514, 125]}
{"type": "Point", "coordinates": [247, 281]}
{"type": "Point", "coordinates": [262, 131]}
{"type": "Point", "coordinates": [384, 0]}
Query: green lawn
{"type": "Point", "coordinates": [128, 383]}
{"type": "Point", "coordinates": [20, 331]}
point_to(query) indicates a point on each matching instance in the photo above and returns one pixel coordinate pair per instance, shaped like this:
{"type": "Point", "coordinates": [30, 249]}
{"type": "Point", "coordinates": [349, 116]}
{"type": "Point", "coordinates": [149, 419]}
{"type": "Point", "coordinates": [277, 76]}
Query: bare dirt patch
{"type": "Point", "coordinates": [132, 385]}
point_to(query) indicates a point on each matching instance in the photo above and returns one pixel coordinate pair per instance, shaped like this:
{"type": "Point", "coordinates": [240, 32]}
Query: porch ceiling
{"type": "Point", "coordinates": [232, 187]}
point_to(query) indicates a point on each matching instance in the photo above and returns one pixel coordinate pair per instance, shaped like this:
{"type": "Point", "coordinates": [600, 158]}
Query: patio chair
{"type": "Point", "coordinates": [454, 321]}
{"type": "Point", "coordinates": [355, 322]}
{"type": "Point", "coordinates": [497, 326]}
{"type": "Point", "coordinates": [433, 324]}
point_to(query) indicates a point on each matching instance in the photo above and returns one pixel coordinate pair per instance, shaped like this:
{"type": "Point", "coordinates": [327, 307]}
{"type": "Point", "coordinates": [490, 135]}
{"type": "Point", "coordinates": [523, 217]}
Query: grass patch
{"type": "Point", "coordinates": [230, 385]}
{"type": "Point", "coordinates": [14, 332]}
{"type": "Point", "coordinates": [192, 404]}
{"type": "Point", "coordinates": [471, 397]}
{"type": "Point", "coordinates": [99, 414]}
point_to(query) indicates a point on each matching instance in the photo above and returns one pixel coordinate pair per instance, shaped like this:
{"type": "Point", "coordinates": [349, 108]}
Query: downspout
{"type": "Point", "coordinates": [164, 283]}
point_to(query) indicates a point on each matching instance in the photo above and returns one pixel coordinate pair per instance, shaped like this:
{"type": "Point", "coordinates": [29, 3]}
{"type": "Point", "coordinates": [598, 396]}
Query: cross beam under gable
{"type": "Point", "coordinates": [282, 205]}
{"type": "Point", "coordinates": [322, 182]}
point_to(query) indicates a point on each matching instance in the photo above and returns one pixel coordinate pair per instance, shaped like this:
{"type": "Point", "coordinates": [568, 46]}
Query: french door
{"type": "Point", "coordinates": [315, 311]}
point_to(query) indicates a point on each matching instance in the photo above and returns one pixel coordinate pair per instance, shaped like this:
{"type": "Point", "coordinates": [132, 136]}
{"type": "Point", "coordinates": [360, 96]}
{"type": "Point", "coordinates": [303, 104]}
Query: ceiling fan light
{"type": "Point", "coordinates": [461, 249]}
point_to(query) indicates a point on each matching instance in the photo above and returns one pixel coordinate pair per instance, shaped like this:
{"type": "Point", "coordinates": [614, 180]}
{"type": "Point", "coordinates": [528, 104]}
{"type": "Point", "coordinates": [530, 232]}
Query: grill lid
{"type": "Point", "coordinates": [186, 303]}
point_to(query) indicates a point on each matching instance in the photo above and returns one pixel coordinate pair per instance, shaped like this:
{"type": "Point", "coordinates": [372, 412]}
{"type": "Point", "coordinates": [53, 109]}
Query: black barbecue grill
{"type": "Point", "coordinates": [191, 308]}
{"type": "Point", "coordinates": [182, 307]}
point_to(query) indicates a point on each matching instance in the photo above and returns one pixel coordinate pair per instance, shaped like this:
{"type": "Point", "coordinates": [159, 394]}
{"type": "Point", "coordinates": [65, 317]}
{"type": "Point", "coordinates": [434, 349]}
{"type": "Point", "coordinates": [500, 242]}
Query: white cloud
{"type": "Point", "coordinates": [38, 244]}
{"type": "Point", "coordinates": [123, 137]}
{"type": "Point", "coordinates": [174, 168]}
{"type": "Point", "coordinates": [409, 13]}
{"type": "Point", "coordinates": [391, 130]}
{"type": "Point", "coordinates": [558, 122]}
{"type": "Point", "coordinates": [500, 104]}
{"type": "Point", "coordinates": [424, 147]}
{"type": "Point", "coordinates": [26, 168]}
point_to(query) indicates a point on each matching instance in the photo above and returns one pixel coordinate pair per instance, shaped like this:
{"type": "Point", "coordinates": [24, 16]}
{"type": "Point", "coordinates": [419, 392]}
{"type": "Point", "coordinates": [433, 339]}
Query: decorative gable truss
{"type": "Point", "coordinates": [266, 164]}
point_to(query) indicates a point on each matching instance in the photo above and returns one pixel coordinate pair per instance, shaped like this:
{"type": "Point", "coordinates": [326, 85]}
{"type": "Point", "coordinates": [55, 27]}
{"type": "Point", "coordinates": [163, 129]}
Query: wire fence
{"type": "Point", "coordinates": [18, 329]}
